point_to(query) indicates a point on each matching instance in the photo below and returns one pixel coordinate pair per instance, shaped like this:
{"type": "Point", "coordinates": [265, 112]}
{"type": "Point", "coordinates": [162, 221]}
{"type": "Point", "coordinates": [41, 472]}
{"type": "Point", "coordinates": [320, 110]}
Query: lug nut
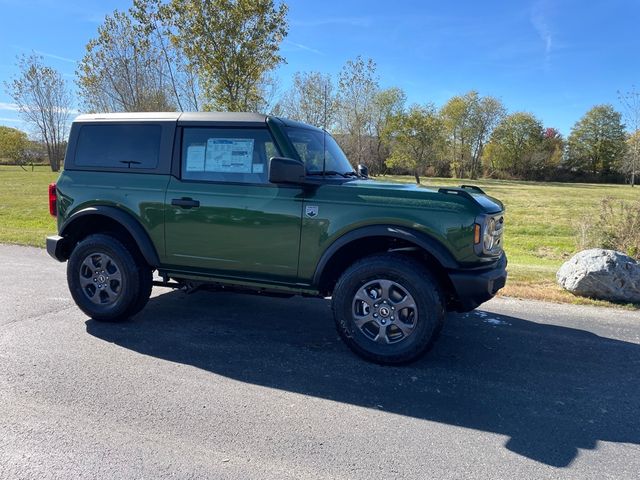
{"type": "Point", "coordinates": [375, 315]}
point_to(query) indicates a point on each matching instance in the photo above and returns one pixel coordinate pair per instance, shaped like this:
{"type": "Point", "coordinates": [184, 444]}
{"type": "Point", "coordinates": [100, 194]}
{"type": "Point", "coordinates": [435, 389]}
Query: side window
{"type": "Point", "coordinates": [226, 154]}
{"type": "Point", "coordinates": [118, 146]}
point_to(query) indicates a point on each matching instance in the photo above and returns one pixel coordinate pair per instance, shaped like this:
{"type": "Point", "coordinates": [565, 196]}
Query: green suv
{"type": "Point", "coordinates": [254, 203]}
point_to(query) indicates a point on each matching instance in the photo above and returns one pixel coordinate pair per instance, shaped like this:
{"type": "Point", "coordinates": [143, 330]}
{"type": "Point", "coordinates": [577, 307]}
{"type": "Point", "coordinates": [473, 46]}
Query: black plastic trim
{"type": "Point", "coordinates": [429, 244]}
{"type": "Point", "coordinates": [125, 219]}
{"type": "Point", "coordinates": [460, 192]}
{"type": "Point", "coordinates": [475, 287]}
{"type": "Point", "coordinates": [473, 187]}
{"type": "Point", "coordinates": [55, 247]}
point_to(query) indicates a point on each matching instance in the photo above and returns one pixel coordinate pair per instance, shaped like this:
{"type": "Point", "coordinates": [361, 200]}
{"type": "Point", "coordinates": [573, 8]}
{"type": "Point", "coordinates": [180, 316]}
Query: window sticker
{"type": "Point", "coordinates": [195, 158]}
{"type": "Point", "coordinates": [229, 155]}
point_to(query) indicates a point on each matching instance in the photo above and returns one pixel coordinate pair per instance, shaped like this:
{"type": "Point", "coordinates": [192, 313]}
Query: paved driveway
{"type": "Point", "coordinates": [215, 385]}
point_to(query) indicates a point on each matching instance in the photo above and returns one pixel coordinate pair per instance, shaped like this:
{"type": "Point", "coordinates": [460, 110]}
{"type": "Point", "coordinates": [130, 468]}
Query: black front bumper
{"type": "Point", "coordinates": [474, 287]}
{"type": "Point", "coordinates": [56, 247]}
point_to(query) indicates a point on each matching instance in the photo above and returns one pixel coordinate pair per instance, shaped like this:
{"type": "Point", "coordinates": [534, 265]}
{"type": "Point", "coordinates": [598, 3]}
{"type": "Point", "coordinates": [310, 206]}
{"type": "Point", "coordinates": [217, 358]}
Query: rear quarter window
{"type": "Point", "coordinates": [118, 146]}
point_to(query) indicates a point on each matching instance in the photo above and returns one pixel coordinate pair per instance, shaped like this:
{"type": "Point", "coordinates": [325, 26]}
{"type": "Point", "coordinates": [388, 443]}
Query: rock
{"type": "Point", "coordinates": [602, 274]}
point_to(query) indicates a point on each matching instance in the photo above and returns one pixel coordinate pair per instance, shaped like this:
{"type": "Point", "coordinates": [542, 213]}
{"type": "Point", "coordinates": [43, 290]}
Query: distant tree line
{"type": "Point", "coordinates": [470, 136]}
{"type": "Point", "coordinates": [189, 55]}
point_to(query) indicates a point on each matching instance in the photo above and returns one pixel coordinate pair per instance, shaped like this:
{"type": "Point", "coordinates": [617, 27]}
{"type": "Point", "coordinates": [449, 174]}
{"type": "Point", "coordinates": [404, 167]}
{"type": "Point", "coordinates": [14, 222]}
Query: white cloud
{"type": "Point", "coordinates": [55, 57]}
{"type": "Point", "coordinates": [539, 16]}
{"type": "Point", "coordinates": [11, 120]}
{"type": "Point", "coordinates": [300, 46]}
{"type": "Point", "coordinates": [11, 107]}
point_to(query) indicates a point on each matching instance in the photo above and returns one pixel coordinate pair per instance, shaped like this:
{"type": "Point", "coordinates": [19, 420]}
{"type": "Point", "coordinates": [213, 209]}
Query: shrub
{"type": "Point", "coordinates": [616, 227]}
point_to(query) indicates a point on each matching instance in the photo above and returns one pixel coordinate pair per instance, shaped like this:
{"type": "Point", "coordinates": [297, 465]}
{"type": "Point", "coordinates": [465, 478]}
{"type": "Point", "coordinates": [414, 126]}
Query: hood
{"type": "Point", "coordinates": [472, 194]}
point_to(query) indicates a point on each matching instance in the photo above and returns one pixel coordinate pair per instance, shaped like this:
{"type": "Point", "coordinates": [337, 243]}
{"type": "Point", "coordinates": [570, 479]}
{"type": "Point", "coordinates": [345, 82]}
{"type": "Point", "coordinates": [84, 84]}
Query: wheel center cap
{"type": "Point", "coordinates": [384, 311]}
{"type": "Point", "coordinates": [101, 278]}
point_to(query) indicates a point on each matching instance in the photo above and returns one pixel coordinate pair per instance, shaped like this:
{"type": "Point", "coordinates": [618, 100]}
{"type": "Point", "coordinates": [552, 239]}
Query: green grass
{"type": "Point", "coordinates": [541, 221]}
{"type": "Point", "coordinates": [24, 205]}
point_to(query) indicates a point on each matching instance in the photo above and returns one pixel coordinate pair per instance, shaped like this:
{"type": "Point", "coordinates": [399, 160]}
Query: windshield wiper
{"type": "Point", "coordinates": [331, 172]}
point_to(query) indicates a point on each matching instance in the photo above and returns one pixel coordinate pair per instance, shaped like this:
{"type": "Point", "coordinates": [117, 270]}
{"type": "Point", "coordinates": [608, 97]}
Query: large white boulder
{"type": "Point", "coordinates": [602, 274]}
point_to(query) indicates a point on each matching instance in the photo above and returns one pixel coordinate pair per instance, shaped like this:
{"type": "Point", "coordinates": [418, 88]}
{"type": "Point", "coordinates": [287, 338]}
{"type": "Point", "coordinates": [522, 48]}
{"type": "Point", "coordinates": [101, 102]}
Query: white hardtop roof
{"type": "Point", "coordinates": [174, 116]}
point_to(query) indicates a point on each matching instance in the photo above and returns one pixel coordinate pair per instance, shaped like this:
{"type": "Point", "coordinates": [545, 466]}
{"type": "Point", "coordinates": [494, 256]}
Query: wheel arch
{"type": "Point", "coordinates": [381, 238]}
{"type": "Point", "coordinates": [103, 218]}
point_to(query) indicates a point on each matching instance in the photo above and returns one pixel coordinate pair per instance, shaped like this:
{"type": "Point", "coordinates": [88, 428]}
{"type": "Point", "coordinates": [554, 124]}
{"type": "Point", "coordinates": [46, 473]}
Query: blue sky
{"type": "Point", "coordinates": [555, 59]}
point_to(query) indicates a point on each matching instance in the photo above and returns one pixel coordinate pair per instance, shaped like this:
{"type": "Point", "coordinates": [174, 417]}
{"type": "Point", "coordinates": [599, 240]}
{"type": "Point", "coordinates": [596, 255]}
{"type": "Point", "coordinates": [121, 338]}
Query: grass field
{"type": "Point", "coordinates": [541, 222]}
{"type": "Point", "coordinates": [24, 206]}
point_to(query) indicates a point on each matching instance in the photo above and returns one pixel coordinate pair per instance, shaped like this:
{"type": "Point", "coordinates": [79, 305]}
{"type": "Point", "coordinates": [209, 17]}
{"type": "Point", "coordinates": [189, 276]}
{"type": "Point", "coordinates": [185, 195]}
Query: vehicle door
{"type": "Point", "coordinates": [222, 214]}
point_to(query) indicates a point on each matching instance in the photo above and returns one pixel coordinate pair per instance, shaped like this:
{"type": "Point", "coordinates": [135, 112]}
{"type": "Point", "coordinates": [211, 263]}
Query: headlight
{"type": "Point", "coordinates": [488, 239]}
{"type": "Point", "coordinates": [488, 235]}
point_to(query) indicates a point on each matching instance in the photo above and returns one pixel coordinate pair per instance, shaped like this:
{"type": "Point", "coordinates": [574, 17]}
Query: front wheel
{"type": "Point", "coordinates": [388, 309]}
{"type": "Point", "coordinates": [107, 280]}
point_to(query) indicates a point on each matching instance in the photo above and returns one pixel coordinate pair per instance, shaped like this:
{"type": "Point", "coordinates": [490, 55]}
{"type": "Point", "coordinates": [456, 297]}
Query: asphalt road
{"type": "Point", "coordinates": [214, 385]}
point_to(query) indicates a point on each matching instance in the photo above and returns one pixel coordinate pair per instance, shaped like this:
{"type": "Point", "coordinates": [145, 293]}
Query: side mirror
{"type": "Point", "coordinates": [286, 170]}
{"type": "Point", "coordinates": [363, 171]}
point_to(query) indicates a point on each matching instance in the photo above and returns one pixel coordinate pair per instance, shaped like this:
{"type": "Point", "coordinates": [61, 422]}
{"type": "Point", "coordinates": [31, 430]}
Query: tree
{"type": "Point", "coordinates": [414, 139]}
{"type": "Point", "coordinates": [486, 113]}
{"type": "Point", "coordinates": [516, 146]}
{"type": "Point", "coordinates": [469, 120]}
{"type": "Point", "coordinates": [125, 70]}
{"type": "Point", "coordinates": [154, 18]}
{"type": "Point", "coordinates": [44, 102]}
{"type": "Point", "coordinates": [597, 141]}
{"type": "Point", "coordinates": [631, 162]}
{"type": "Point", "coordinates": [311, 99]}
{"type": "Point", "coordinates": [357, 90]}
{"type": "Point", "coordinates": [387, 104]}
{"type": "Point", "coordinates": [233, 45]}
{"type": "Point", "coordinates": [553, 145]}
{"type": "Point", "coordinates": [13, 144]}
{"type": "Point", "coordinates": [631, 107]}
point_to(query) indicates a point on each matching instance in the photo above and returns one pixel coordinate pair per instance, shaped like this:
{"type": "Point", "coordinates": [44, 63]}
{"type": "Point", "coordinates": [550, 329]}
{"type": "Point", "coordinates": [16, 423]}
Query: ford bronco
{"type": "Point", "coordinates": [254, 203]}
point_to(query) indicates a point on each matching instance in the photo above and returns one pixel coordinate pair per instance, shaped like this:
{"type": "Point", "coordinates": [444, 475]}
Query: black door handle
{"type": "Point", "coordinates": [185, 202]}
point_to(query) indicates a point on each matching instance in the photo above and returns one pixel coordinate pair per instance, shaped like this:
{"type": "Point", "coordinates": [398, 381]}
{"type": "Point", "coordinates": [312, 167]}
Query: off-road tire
{"type": "Point", "coordinates": [402, 275]}
{"type": "Point", "coordinates": [119, 299]}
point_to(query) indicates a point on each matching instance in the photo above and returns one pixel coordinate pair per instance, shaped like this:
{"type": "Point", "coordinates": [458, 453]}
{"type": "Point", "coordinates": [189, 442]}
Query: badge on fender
{"type": "Point", "coordinates": [311, 211]}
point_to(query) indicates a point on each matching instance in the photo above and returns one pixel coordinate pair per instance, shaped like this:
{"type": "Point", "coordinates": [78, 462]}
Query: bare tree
{"type": "Point", "coordinates": [358, 87]}
{"type": "Point", "coordinates": [44, 102]}
{"type": "Point", "coordinates": [311, 99]}
{"type": "Point", "coordinates": [631, 110]}
{"type": "Point", "coordinates": [154, 22]}
{"type": "Point", "coordinates": [124, 70]}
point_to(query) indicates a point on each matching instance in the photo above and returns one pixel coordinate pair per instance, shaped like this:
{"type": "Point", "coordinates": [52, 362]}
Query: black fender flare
{"type": "Point", "coordinates": [422, 240]}
{"type": "Point", "coordinates": [128, 221]}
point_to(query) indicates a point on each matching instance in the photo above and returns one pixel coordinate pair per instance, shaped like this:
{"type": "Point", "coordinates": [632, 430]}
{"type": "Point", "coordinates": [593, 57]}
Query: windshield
{"type": "Point", "coordinates": [310, 145]}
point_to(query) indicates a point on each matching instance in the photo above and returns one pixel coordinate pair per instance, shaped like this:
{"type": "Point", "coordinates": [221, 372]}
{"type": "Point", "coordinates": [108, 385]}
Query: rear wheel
{"type": "Point", "coordinates": [388, 309]}
{"type": "Point", "coordinates": [107, 280]}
